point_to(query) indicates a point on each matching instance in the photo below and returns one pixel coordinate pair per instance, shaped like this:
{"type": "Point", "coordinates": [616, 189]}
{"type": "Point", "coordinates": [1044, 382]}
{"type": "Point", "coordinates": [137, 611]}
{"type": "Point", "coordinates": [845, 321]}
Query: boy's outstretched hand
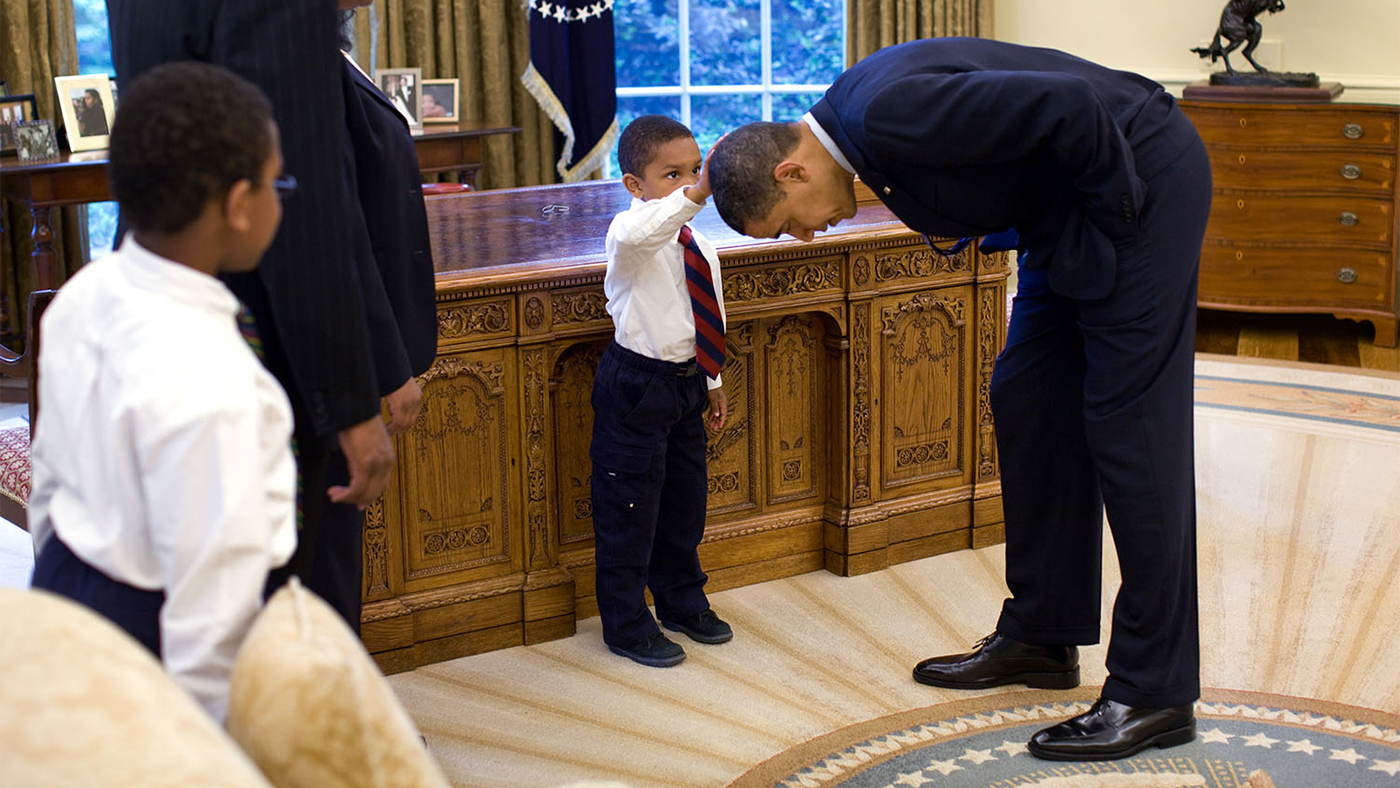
{"type": "Point", "coordinates": [700, 192]}
{"type": "Point", "coordinates": [719, 410]}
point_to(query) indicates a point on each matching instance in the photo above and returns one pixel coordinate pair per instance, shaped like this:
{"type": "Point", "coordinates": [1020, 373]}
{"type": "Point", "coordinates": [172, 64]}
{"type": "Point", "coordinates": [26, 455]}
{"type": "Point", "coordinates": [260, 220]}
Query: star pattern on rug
{"type": "Point", "coordinates": [912, 779]}
{"type": "Point", "coordinates": [1391, 768]}
{"type": "Point", "coordinates": [1011, 748]}
{"type": "Point", "coordinates": [1216, 736]}
{"type": "Point", "coordinates": [1260, 739]}
{"type": "Point", "coordinates": [944, 768]}
{"type": "Point", "coordinates": [1303, 746]}
{"type": "Point", "coordinates": [978, 757]}
{"type": "Point", "coordinates": [1350, 755]}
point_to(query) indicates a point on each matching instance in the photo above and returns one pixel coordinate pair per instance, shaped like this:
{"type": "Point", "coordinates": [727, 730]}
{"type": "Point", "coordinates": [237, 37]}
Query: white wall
{"type": "Point", "coordinates": [1355, 42]}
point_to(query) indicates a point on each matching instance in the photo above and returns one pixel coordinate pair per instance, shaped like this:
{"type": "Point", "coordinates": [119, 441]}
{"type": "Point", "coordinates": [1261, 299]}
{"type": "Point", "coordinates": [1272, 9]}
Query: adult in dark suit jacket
{"type": "Point", "coordinates": [389, 229]}
{"type": "Point", "coordinates": [1108, 185]}
{"type": "Point", "coordinates": [306, 295]}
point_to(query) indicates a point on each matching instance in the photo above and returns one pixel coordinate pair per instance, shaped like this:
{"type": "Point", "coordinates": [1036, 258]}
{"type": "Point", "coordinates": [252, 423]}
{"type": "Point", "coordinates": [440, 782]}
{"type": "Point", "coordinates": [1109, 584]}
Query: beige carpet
{"type": "Point", "coordinates": [1299, 494]}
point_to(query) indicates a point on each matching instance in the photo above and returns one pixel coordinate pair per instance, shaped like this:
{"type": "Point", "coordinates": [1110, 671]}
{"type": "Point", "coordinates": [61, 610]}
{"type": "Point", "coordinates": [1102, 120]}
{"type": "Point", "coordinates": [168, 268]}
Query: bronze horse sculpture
{"type": "Point", "coordinates": [1237, 26]}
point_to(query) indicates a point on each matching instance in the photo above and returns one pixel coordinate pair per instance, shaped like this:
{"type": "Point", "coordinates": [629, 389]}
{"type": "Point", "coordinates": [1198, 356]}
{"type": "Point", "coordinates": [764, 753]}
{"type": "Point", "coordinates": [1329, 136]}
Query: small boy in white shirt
{"type": "Point", "coordinates": [656, 389]}
{"type": "Point", "coordinates": [164, 484]}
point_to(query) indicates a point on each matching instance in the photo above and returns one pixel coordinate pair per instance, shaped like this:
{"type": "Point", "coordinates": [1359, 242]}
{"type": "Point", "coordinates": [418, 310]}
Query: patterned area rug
{"type": "Point", "coordinates": [1244, 740]}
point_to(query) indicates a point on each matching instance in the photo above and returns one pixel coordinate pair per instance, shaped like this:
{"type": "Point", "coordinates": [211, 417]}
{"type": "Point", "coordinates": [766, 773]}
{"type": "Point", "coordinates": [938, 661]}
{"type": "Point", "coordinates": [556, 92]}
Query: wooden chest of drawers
{"type": "Point", "coordinates": [1304, 210]}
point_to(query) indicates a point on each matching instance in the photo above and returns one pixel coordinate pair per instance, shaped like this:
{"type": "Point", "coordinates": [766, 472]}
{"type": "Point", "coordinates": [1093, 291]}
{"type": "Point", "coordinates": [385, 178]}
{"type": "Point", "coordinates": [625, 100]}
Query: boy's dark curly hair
{"type": "Point", "coordinates": [184, 134]}
{"type": "Point", "coordinates": [636, 148]}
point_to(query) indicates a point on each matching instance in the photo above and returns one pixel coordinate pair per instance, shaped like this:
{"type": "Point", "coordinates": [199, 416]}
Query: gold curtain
{"type": "Point", "coordinates": [880, 23]}
{"type": "Point", "coordinates": [41, 43]}
{"type": "Point", "coordinates": [485, 44]}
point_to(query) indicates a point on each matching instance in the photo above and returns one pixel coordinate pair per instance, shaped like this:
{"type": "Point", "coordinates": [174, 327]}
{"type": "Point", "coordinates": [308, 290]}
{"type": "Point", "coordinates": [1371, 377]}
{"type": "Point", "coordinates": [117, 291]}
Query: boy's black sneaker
{"type": "Point", "coordinates": [657, 651]}
{"type": "Point", "coordinates": [703, 627]}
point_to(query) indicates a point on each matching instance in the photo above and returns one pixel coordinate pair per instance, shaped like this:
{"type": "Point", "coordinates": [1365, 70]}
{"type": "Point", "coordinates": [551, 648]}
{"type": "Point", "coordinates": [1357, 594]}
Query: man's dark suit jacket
{"type": "Point", "coordinates": [966, 137]}
{"type": "Point", "coordinates": [306, 294]}
{"type": "Point", "coordinates": [383, 177]}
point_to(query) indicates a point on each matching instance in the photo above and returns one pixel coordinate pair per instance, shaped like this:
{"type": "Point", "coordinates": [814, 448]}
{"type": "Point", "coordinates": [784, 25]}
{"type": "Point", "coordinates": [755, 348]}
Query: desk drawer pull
{"type": "Point", "coordinates": [1346, 275]}
{"type": "Point", "coordinates": [1348, 219]}
{"type": "Point", "coordinates": [1351, 172]}
{"type": "Point", "coordinates": [1353, 131]}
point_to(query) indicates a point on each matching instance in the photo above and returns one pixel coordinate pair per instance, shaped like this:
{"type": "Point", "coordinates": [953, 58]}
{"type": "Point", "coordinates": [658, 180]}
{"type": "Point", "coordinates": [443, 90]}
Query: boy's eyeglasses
{"type": "Point", "coordinates": [285, 185]}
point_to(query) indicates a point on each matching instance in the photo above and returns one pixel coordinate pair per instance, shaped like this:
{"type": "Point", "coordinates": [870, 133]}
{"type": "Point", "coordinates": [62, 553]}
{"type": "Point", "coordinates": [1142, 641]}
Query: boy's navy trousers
{"type": "Point", "coordinates": [649, 491]}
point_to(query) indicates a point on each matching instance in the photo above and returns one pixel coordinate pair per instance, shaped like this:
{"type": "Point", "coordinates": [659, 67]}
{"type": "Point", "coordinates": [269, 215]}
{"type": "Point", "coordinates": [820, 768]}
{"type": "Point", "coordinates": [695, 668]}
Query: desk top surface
{"type": "Point", "coordinates": [558, 227]}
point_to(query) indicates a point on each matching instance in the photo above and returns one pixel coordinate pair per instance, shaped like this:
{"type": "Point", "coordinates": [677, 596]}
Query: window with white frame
{"type": "Point", "coordinates": [717, 64]}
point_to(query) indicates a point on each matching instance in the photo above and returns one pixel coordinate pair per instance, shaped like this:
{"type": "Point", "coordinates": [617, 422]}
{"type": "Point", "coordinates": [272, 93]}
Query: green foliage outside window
{"type": "Point", "coordinates": [725, 37]}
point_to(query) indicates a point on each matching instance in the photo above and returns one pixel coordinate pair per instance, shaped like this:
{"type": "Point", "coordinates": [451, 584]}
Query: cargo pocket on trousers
{"type": "Point", "coordinates": [620, 473]}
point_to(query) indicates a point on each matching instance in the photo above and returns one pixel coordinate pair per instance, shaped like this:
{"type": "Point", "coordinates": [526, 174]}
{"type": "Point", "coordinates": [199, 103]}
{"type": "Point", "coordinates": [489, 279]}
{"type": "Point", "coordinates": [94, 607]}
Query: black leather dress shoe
{"type": "Point", "coordinates": [1000, 660]}
{"type": "Point", "coordinates": [1110, 730]}
{"type": "Point", "coordinates": [703, 627]}
{"type": "Point", "coordinates": [657, 651]}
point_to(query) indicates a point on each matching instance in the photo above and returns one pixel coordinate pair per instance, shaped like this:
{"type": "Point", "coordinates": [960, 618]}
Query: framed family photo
{"type": "Point", "coordinates": [35, 140]}
{"type": "Point", "coordinates": [440, 101]}
{"type": "Point", "coordinates": [88, 108]}
{"type": "Point", "coordinates": [404, 87]}
{"type": "Point", "coordinates": [13, 110]}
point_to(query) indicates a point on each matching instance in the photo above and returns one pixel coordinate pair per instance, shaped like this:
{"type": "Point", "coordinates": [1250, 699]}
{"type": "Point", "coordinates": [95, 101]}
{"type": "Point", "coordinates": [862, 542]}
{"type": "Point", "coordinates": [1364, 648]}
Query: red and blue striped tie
{"type": "Point", "coordinates": [709, 326]}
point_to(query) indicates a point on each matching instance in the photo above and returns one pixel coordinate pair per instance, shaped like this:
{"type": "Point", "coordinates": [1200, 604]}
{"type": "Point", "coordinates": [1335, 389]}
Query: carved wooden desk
{"type": "Point", "coordinates": [860, 430]}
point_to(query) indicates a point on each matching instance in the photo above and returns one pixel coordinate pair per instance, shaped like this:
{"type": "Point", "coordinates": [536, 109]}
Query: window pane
{"type": "Point", "coordinates": [633, 107]}
{"type": "Point", "coordinates": [648, 50]}
{"type": "Point", "coordinates": [808, 46]}
{"type": "Point", "coordinates": [102, 228]}
{"type": "Point", "coordinates": [711, 116]}
{"type": "Point", "coordinates": [94, 48]}
{"type": "Point", "coordinates": [792, 106]}
{"type": "Point", "coordinates": [725, 46]}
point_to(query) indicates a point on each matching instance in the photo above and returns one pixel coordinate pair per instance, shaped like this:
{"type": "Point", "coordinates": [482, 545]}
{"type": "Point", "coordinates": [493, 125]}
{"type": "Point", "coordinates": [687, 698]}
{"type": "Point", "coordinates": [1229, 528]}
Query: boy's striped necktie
{"type": "Point", "coordinates": [248, 327]}
{"type": "Point", "coordinates": [709, 326]}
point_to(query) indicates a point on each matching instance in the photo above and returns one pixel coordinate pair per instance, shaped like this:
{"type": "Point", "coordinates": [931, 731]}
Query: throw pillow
{"type": "Point", "coordinates": [311, 708]}
{"type": "Point", "coordinates": [83, 704]}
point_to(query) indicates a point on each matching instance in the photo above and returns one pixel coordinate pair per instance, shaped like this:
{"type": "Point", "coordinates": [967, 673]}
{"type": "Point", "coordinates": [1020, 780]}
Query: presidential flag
{"type": "Point", "coordinates": [573, 77]}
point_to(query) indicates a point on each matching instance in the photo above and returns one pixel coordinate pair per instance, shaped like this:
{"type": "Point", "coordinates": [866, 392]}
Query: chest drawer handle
{"type": "Point", "coordinates": [1346, 275]}
{"type": "Point", "coordinates": [1353, 131]}
{"type": "Point", "coordinates": [1348, 219]}
{"type": "Point", "coordinates": [1351, 172]}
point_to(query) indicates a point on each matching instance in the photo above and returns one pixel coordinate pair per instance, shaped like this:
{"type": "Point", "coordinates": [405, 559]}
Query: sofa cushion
{"type": "Point", "coordinates": [83, 704]}
{"type": "Point", "coordinates": [312, 709]}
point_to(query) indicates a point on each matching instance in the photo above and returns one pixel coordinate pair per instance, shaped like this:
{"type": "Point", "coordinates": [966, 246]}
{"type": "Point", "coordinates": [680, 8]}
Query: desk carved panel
{"type": "Point", "coordinates": [859, 430]}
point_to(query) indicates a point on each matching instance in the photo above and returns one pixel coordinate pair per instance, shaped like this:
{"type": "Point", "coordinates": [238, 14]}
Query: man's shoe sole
{"type": "Point", "coordinates": [1172, 738]}
{"type": "Point", "coordinates": [699, 637]}
{"type": "Point", "coordinates": [651, 662]}
{"type": "Point", "coordinates": [1068, 679]}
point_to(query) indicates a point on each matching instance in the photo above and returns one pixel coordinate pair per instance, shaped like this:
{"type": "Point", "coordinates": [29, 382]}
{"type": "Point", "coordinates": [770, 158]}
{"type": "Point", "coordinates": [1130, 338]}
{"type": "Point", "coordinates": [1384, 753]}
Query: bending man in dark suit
{"type": "Point", "coordinates": [1108, 185]}
{"type": "Point", "coordinates": [307, 295]}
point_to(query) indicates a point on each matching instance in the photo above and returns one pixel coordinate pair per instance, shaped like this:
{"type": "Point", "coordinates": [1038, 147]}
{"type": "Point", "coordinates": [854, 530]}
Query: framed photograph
{"type": "Point", "coordinates": [35, 140]}
{"type": "Point", "coordinates": [7, 138]}
{"type": "Point", "coordinates": [88, 108]}
{"type": "Point", "coordinates": [16, 109]}
{"type": "Point", "coordinates": [440, 101]}
{"type": "Point", "coordinates": [404, 87]}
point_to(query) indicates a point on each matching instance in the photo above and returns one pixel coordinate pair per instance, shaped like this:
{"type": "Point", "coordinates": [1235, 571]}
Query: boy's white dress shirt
{"type": "Point", "coordinates": [645, 282]}
{"type": "Point", "coordinates": [162, 453]}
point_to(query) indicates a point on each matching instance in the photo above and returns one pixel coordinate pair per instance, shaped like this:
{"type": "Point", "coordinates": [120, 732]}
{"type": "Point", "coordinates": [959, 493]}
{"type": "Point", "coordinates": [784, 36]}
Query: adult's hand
{"type": "Point", "coordinates": [404, 406]}
{"type": "Point", "coordinates": [370, 457]}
